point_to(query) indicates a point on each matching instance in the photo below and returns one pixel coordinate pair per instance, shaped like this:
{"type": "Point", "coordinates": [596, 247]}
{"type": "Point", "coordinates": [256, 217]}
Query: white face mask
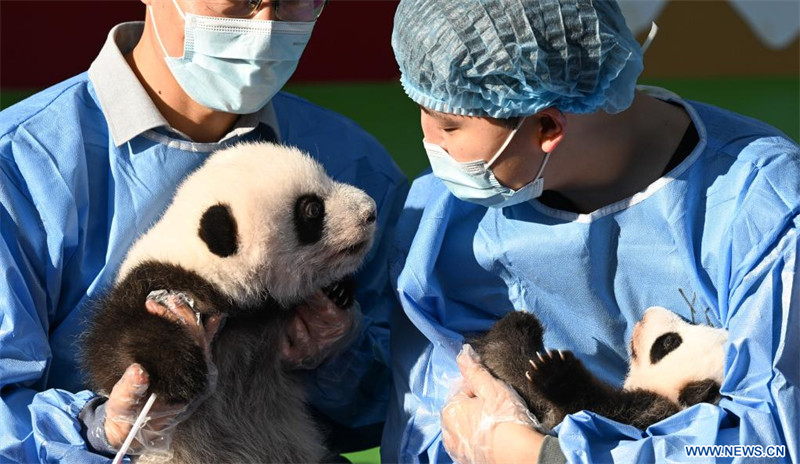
{"type": "Point", "coordinates": [235, 65]}
{"type": "Point", "coordinates": [475, 182]}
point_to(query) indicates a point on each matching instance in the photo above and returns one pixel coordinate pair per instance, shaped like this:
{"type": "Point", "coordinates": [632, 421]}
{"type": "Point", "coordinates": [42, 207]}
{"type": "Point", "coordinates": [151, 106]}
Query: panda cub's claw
{"type": "Point", "coordinates": [548, 357]}
{"type": "Point", "coordinates": [342, 292]}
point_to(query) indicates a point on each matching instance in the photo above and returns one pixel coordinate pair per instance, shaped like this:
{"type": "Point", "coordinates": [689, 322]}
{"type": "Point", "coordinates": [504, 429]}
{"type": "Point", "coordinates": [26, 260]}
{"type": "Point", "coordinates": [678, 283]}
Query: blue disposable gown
{"type": "Point", "coordinates": [721, 228]}
{"type": "Point", "coordinates": [71, 203]}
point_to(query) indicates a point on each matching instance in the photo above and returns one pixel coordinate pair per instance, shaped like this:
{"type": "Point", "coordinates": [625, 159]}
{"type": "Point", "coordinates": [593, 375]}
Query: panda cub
{"type": "Point", "coordinates": [251, 234]}
{"type": "Point", "coordinates": [673, 365]}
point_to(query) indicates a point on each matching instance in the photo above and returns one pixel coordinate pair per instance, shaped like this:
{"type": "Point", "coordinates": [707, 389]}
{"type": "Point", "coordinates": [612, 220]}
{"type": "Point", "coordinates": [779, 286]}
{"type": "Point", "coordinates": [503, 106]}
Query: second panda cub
{"type": "Point", "coordinates": [673, 365]}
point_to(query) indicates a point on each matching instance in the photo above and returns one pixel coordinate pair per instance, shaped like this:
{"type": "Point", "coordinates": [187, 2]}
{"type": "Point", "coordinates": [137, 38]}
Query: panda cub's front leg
{"type": "Point", "coordinates": [505, 351]}
{"type": "Point", "coordinates": [563, 380]}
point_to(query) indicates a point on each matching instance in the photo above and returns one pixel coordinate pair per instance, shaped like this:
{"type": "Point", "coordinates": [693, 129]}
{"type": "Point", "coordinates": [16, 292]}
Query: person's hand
{"type": "Point", "coordinates": [123, 406]}
{"type": "Point", "coordinates": [486, 422]}
{"type": "Point", "coordinates": [130, 393]}
{"type": "Point", "coordinates": [318, 330]}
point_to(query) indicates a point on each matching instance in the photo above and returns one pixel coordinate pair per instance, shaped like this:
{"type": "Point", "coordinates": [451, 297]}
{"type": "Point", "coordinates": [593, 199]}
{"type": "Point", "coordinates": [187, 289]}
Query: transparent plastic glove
{"type": "Point", "coordinates": [471, 417]}
{"type": "Point", "coordinates": [319, 329]}
{"type": "Point", "coordinates": [177, 307]}
{"type": "Point", "coordinates": [130, 393]}
{"type": "Point", "coordinates": [123, 407]}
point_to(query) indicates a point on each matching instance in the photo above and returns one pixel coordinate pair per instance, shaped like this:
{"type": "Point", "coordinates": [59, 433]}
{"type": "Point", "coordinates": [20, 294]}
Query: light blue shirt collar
{"type": "Point", "coordinates": [128, 108]}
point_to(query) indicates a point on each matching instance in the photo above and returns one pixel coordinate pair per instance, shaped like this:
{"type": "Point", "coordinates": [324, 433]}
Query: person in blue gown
{"type": "Point", "coordinates": [558, 187]}
{"type": "Point", "coordinates": [89, 164]}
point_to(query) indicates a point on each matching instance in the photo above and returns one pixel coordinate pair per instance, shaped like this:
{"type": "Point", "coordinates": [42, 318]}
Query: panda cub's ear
{"type": "Point", "coordinates": [218, 230]}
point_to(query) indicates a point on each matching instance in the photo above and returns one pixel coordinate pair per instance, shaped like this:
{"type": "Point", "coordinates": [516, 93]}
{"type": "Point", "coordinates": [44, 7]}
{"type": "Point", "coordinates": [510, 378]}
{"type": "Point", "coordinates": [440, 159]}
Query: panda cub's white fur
{"type": "Point", "coordinates": [698, 357]}
{"type": "Point", "coordinates": [251, 234]}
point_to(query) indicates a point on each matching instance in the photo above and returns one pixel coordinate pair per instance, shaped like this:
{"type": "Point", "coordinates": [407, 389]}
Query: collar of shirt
{"type": "Point", "coordinates": [127, 106]}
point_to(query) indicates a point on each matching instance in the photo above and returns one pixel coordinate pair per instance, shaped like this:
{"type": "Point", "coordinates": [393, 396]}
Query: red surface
{"type": "Point", "coordinates": [44, 42]}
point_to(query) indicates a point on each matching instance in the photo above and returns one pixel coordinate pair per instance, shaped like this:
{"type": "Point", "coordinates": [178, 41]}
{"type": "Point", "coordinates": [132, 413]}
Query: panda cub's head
{"type": "Point", "coordinates": [261, 219]}
{"type": "Point", "coordinates": [676, 359]}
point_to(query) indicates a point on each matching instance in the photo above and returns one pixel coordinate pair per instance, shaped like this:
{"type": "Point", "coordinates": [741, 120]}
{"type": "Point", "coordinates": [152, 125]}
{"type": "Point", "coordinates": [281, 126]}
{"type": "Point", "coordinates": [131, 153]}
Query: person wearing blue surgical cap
{"type": "Point", "coordinates": [88, 164]}
{"type": "Point", "coordinates": [559, 188]}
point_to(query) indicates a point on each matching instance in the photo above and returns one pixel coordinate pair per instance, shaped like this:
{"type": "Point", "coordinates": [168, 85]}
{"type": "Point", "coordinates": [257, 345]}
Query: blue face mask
{"type": "Point", "coordinates": [474, 181]}
{"type": "Point", "coordinates": [236, 65]}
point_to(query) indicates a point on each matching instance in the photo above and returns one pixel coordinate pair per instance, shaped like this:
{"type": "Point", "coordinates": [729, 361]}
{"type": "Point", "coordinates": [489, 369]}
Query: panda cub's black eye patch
{"type": "Point", "coordinates": [218, 230]}
{"type": "Point", "coordinates": [664, 345]}
{"type": "Point", "coordinates": [309, 218]}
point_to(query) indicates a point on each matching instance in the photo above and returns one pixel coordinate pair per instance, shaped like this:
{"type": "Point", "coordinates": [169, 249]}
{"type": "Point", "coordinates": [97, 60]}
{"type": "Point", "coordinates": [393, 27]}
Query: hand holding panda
{"type": "Point", "coordinates": [253, 234]}
{"type": "Point", "coordinates": [322, 326]}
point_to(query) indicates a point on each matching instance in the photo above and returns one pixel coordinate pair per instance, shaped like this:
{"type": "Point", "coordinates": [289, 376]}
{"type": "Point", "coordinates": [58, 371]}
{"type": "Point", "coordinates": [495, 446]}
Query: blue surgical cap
{"type": "Point", "coordinates": [506, 58]}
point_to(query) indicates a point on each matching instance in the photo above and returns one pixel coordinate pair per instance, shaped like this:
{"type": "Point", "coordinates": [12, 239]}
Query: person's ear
{"type": "Point", "coordinates": [551, 126]}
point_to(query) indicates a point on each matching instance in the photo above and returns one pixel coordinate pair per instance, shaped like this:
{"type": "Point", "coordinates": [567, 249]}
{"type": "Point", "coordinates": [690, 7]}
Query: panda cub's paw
{"type": "Point", "coordinates": [556, 373]}
{"type": "Point", "coordinates": [342, 293]}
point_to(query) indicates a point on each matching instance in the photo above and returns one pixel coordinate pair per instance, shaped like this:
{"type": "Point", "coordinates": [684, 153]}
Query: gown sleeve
{"type": "Point", "coordinates": [38, 424]}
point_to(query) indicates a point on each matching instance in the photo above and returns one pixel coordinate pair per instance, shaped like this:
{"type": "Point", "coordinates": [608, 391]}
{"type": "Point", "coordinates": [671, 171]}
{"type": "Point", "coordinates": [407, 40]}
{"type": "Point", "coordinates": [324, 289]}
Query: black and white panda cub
{"type": "Point", "coordinates": [673, 365]}
{"type": "Point", "coordinates": [251, 234]}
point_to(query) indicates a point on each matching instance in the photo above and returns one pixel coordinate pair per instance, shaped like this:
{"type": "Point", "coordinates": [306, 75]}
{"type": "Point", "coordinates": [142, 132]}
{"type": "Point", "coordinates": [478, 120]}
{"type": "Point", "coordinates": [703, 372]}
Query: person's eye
{"type": "Point", "coordinates": [450, 129]}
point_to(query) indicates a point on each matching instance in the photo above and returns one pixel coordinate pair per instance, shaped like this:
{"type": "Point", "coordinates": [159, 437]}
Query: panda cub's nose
{"type": "Point", "coordinates": [370, 216]}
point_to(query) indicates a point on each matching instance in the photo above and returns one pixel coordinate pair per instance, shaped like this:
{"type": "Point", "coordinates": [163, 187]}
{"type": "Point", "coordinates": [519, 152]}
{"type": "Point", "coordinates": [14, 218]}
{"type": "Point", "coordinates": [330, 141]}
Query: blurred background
{"type": "Point", "coordinates": [742, 55]}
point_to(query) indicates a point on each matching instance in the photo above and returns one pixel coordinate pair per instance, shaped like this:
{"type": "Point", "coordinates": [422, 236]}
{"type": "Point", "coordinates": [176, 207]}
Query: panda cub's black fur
{"type": "Point", "coordinates": [251, 234]}
{"type": "Point", "coordinates": [123, 333]}
{"type": "Point", "coordinates": [674, 365]}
